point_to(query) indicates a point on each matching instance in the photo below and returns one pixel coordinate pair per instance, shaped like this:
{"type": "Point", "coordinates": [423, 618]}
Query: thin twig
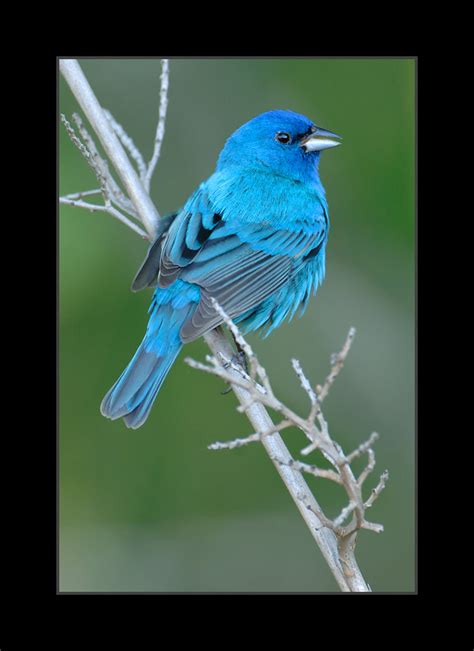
{"type": "Point", "coordinates": [311, 469]}
{"type": "Point", "coordinates": [235, 443]}
{"type": "Point", "coordinates": [252, 438]}
{"type": "Point", "coordinates": [368, 468]}
{"type": "Point", "coordinates": [160, 130]}
{"type": "Point", "coordinates": [344, 514]}
{"type": "Point", "coordinates": [327, 522]}
{"type": "Point", "coordinates": [108, 209]}
{"type": "Point", "coordinates": [305, 384]}
{"type": "Point", "coordinates": [79, 195]}
{"type": "Point", "coordinates": [110, 188]}
{"type": "Point", "coordinates": [377, 490]}
{"type": "Point", "coordinates": [128, 143]}
{"type": "Point", "coordinates": [80, 87]}
{"type": "Point", "coordinates": [337, 362]}
{"type": "Point", "coordinates": [363, 447]}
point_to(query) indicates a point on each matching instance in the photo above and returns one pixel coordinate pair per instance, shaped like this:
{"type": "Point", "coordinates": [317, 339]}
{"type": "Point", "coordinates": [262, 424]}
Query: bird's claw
{"type": "Point", "coordinates": [239, 359]}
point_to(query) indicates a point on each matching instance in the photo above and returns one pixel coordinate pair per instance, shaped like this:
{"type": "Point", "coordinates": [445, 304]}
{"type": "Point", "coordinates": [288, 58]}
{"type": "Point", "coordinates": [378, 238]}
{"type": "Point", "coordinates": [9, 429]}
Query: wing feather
{"type": "Point", "coordinates": [239, 265]}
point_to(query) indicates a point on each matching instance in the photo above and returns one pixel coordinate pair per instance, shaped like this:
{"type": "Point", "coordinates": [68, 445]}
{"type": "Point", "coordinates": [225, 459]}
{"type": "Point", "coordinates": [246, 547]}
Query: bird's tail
{"type": "Point", "coordinates": [132, 396]}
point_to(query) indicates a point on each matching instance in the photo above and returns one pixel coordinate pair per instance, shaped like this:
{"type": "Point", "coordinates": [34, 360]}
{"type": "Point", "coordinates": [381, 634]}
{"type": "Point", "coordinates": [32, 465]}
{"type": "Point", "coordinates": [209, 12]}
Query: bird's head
{"type": "Point", "coordinates": [282, 142]}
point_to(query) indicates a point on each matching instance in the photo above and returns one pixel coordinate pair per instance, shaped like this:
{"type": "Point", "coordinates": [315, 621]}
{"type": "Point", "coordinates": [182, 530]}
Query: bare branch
{"type": "Point", "coordinates": [160, 130]}
{"type": "Point", "coordinates": [312, 470]}
{"type": "Point", "coordinates": [368, 468]}
{"type": "Point", "coordinates": [363, 447]}
{"type": "Point", "coordinates": [128, 143]}
{"type": "Point", "coordinates": [79, 195]}
{"type": "Point", "coordinates": [84, 94]}
{"type": "Point", "coordinates": [95, 161]}
{"type": "Point", "coordinates": [314, 445]}
{"type": "Point", "coordinates": [377, 490]}
{"type": "Point", "coordinates": [108, 209]}
{"type": "Point", "coordinates": [337, 362]}
{"type": "Point", "coordinates": [256, 395]}
{"type": "Point", "coordinates": [308, 388]}
{"type": "Point", "coordinates": [109, 187]}
{"type": "Point", "coordinates": [72, 135]}
{"type": "Point", "coordinates": [89, 151]}
{"type": "Point", "coordinates": [326, 522]}
{"type": "Point", "coordinates": [372, 526]}
{"type": "Point", "coordinates": [257, 436]}
{"type": "Point", "coordinates": [292, 478]}
{"type": "Point", "coordinates": [344, 514]}
{"type": "Point", "coordinates": [91, 207]}
{"type": "Point", "coordinates": [236, 443]}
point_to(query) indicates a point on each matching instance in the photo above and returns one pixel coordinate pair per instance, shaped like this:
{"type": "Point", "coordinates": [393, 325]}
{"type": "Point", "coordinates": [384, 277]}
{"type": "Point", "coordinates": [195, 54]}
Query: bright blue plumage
{"type": "Point", "coordinates": [252, 236]}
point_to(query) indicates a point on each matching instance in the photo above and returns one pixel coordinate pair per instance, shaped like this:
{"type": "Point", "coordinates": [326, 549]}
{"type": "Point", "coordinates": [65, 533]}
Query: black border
{"type": "Point", "coordinates": [354, 57]}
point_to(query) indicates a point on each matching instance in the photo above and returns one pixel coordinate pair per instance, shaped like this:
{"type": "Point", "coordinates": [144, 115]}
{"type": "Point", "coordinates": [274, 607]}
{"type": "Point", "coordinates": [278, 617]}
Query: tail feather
{"type": "Point", "coordinates": [139, 414]}
{"type": "Point", "coordinates": [133, 394]}
{"type": "Point", "coordinates": [136, 374]}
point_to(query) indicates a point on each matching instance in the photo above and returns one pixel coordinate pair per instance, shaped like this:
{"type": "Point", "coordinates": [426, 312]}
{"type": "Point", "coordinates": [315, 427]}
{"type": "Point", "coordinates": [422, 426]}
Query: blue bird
{"type": "Point", "coordinates": [253, 236]}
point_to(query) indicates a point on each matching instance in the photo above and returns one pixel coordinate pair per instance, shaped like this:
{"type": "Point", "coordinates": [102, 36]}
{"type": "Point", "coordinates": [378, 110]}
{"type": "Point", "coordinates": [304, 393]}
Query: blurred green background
{"type": "Point", "coordinates": [154, 509]}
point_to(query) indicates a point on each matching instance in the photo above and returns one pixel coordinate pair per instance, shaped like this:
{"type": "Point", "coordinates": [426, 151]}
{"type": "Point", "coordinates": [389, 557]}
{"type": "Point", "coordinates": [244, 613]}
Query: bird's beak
{"type": "Point", "coordinates": [320, 139]}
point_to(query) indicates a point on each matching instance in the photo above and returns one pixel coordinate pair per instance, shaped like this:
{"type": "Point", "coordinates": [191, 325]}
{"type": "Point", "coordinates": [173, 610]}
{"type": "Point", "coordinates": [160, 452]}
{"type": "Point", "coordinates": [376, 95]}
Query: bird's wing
{"type": "Point", "coordinates": [239, 265]}
{"type": "Point", "coordinates": [147, 275]}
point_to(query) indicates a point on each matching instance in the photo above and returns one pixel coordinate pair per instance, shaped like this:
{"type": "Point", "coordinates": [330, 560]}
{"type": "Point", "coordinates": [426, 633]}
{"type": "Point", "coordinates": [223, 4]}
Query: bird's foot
{"type": "Point", "coordinates": [239, 359]}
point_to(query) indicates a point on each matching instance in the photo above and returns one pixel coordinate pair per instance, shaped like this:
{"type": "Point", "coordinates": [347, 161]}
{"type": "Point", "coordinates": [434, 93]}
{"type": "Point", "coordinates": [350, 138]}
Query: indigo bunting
{"type": "Point", "coordinates": [252, 236]}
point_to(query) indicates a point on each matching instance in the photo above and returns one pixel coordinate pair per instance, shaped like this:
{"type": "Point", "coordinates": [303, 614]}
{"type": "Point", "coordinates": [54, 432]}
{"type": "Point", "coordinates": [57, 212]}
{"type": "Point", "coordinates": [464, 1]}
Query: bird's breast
{"type": "Point", "coordinates": [256, 197]}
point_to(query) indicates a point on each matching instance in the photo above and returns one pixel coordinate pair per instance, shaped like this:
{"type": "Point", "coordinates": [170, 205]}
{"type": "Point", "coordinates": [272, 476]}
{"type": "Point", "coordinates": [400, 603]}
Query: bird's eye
{"type": "Point", "coordinates": [283, 137]}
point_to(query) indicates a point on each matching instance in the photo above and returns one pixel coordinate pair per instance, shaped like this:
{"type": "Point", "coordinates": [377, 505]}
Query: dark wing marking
{"type": "Point", "coordinates": [187, 236]}
{"type": "Point", "coordinates": [147, 275]}
{"type": "Point", "coordinates": [313, 252]}
{"type": "Point", "coordinates": [237, 264]}
{"type": "Point", "coordinates": [246, 283]}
